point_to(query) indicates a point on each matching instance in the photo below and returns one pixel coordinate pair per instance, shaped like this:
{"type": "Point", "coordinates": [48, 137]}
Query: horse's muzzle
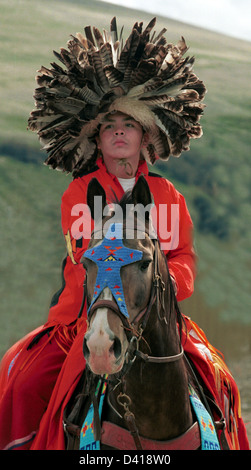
{"type": "Point", "coordinates": [102, 348]}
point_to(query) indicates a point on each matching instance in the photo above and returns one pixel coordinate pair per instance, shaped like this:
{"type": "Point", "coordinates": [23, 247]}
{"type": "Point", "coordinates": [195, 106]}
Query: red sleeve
{"type": "Point", "coordinates": [76, 220]}
{"type": "Point", "coordinates": [182, 260]}
{"type": "Point", "coordinates": [67, 302]}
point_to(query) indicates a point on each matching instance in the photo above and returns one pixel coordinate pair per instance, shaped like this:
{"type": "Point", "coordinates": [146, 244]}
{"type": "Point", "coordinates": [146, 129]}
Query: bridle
{"type": "Point", "coordinates": [134, 329]}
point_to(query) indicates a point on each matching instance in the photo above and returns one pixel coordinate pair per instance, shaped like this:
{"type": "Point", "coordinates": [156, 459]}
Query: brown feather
{"type": "Point", "coordinates": [145, 76]}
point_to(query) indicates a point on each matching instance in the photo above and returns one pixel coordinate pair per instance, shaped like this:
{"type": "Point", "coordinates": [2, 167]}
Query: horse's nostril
{"type": "Point", "coordinates": [86, 349]}
{"type": "Point", "coordinates": [116, 348]}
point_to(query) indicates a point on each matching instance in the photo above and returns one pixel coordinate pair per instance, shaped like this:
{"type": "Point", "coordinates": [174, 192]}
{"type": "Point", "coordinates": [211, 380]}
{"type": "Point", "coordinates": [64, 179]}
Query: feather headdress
{"type": "Point", "coordinates": [145, 78]}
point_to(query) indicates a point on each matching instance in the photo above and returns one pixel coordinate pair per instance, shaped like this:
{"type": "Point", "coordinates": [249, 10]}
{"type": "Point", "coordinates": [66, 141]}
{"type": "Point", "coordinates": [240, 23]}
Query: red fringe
{"type": "Point", "coordinates": [64, 336]}
{"type": "Point", "coordinates": [224, 384]}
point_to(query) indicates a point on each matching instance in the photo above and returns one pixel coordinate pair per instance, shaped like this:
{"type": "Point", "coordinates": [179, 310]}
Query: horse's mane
{"type": "Point", "coordinates": [173, 303]}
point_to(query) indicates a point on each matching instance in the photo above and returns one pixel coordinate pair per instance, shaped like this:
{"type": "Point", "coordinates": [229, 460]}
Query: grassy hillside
{"type": "Point", "coordinates": [214, 176]}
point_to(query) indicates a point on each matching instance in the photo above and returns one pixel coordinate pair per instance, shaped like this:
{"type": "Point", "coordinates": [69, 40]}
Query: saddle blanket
{"type": "Point", "coordinates": [209, 439]}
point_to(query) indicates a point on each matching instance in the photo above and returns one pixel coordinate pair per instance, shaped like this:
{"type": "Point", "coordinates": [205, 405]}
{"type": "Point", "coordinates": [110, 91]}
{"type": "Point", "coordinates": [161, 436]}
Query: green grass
{"type": "Point", "coordinates": [32, 245]}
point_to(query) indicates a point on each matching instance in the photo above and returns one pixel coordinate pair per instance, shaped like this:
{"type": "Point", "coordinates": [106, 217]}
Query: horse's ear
{"type": "Point", "coordinates": [95, 189]}
{"type": "Point", "coordinates": [141, 193]}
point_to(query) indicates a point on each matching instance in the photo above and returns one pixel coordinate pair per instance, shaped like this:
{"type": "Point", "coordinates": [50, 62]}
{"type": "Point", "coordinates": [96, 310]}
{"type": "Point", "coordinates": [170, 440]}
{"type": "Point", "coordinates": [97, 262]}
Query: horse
{"type": "Point", "coordinates": [136, 351]}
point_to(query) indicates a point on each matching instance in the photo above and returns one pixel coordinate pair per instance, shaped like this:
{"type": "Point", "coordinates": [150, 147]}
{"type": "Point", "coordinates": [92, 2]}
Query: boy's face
{"type": "Point", "coordinates": [120, 137]}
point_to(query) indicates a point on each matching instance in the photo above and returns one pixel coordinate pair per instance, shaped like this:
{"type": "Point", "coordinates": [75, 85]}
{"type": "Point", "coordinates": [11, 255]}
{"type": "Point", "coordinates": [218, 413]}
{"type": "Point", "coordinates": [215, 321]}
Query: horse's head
{"type": "Point", "coordinates": [119, 280]}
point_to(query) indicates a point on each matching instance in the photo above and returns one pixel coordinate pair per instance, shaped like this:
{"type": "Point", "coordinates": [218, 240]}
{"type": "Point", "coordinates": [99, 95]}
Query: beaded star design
{"type": "Point", "coordinates": [110, 256]}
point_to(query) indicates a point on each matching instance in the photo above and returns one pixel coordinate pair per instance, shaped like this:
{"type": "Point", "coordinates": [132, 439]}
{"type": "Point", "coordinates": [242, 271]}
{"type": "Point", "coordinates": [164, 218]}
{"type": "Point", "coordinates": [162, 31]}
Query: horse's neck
{"type": "Point", "coordinates": [162, 410]}
{"type": "Point", "coordinates": [160, 392]}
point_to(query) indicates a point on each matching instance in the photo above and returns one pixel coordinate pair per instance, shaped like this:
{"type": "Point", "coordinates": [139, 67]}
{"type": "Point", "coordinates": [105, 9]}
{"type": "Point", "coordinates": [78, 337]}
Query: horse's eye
{"type": "Point", "coordinates": [144, 264]}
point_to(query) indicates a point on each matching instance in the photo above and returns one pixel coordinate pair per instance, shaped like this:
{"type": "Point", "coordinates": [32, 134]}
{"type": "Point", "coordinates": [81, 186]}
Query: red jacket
{"type": "Point", "coordinates": [66, 303]}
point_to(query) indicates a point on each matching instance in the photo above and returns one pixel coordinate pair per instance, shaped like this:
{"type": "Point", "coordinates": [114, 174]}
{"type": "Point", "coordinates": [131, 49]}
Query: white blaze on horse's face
{"type": "Point", "coordinates": [105, 341]}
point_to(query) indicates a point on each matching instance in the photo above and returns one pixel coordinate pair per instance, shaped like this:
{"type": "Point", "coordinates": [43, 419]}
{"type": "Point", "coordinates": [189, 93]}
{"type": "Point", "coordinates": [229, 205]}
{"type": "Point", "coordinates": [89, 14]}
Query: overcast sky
{"type": "Point", "coordinates": [231, 17]}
